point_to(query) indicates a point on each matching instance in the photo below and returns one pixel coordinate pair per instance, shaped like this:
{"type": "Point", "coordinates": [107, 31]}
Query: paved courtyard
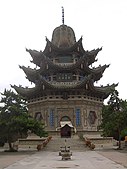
{"type": "Point", "coordinates": [98, 159]}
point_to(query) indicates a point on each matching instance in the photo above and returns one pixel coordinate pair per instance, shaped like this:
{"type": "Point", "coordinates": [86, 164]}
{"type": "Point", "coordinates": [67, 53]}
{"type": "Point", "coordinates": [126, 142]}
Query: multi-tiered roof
{"type": "Point", "coordinates": [64, 67]}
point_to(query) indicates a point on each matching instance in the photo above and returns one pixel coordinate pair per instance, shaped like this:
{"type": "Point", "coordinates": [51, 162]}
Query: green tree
{"type": "Point", "coordinates": [114, 116]}
{"type": "Point", "coordinates": [14, 119]}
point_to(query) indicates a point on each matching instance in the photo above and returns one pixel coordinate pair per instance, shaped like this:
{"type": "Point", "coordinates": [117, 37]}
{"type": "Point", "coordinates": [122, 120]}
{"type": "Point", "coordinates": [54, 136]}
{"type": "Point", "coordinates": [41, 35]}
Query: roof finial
{"type": "Point", "coordinates": [62, 15]}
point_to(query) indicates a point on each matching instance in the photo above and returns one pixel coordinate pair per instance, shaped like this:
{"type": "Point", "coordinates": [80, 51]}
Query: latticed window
{"type": "Point", "coordinates": [51, 117]}
{"type": "Point", "coordinates": [78, 117]}
{"type": "Point", "coordinates": [64, 77]}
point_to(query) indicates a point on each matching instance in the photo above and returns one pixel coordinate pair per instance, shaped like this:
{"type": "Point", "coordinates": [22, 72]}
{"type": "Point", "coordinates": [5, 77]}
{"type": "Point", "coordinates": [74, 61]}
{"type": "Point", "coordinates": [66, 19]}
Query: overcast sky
{"type": "Point", "coordinates": [25, 23]}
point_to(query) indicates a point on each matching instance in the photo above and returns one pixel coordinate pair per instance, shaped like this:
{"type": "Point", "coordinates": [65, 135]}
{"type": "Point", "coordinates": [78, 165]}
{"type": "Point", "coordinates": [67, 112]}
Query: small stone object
{"type": "Point", "coordinates": [65, 152]}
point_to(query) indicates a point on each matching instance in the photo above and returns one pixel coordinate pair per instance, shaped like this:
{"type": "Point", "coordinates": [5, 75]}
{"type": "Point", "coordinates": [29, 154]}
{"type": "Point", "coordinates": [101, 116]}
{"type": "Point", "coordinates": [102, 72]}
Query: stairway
{"type": "Point", "coordinates": [74, 142]}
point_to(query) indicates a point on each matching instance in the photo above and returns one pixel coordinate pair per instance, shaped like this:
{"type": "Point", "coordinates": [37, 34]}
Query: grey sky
{"type": "Point", "coordinates": [25, 23]}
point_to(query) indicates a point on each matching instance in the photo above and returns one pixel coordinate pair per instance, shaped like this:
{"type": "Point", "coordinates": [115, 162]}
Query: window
{"type": "Point", "coordinates": [38, 116]}
{"type": "Point", "coordinates": [78, 117]}
{"type": "Point", "coordinates": [92, 117]}
{"type": "Point", "coordinates": [65, 59]}
{"type": "Point", "coordinates": [51, 117]}
{"type": "Point", "coordinates": [64, 77]}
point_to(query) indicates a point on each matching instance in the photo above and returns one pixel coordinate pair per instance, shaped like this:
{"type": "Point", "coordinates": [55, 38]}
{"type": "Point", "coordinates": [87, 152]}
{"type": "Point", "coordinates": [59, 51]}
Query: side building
{"type": "Point", "coordinates": [65, 97]}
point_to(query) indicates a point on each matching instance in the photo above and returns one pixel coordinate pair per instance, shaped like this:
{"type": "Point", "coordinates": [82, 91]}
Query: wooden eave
{"type": "Point", "coordinates": [77, 66]}
{"type": "Point", "coordinates": [98, 72]}
{"type": "Point", "coordinates": [28, 70]}
{"type": "Point", "coordinates": [103, 91]}
{"type": "Point", "coordinates": [37, 56]}
{"type": "Point", "coordinates": [65, 66]}
{"type": "Point", "coordinates": [38, 89]}
{"type": "Point", "coordinates": [51, 48]}
{"type": "Point", "coordinates": [60, 86]}
{"type": "Point", "coordinates": [25, 92]}
{"type": "Point", "coordinates": [91, 55]}
{"type": "Point", "coordinates": [31, 74]}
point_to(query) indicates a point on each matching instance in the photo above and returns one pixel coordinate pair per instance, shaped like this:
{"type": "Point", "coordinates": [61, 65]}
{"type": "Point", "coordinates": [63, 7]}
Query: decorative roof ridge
{"type": "Point", "coordinates": [34, 52]}
{"type": "Point", "coordinates": [25, 91]}
{"type": "Point", "coordinates": [100, 68]}
{"type": "Point", "coordinates": [37, 56]}
{"type": "Point", "coordinates": [94, 51]}
{"type": "Point", "coordinates": [24, 68]}
{"type": "Point", "coordinates": [31, 74]}
{"type": "Point", "coordinates": [106, 90]}
{"type": "Point", "coordinates": [22, 90]}
{"type": "Point", "coordinates": [98, 72]}
{"type": "Point", "coordinates": [91, 55]}
{"type": "Point", "coordinates": [112, 86]}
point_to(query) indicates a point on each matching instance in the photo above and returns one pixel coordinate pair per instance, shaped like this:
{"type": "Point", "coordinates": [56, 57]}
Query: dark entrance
{"type": "Point", "coordinates": [66, 131]}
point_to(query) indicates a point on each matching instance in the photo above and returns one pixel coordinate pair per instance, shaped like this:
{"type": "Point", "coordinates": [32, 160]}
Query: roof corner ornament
{"type": "Point", "coordinates": [62, 15]}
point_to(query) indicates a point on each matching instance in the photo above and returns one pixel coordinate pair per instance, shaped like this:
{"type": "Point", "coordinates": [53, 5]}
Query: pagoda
{"type": "Point", "coordinates": [65, 97]}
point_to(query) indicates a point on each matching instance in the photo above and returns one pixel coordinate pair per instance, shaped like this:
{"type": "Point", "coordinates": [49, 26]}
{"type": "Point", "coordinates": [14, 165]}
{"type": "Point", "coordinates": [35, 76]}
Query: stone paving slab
{"type": "Point", "coordinates": [51, 160]}
{"type": "Point", "coordinates": [8, 158]}
{"type": "Point", "coordinates": [119, 157]}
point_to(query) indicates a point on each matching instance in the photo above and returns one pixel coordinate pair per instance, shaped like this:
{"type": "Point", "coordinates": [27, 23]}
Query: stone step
{"type": "Point", "coordinates": [74, 142]}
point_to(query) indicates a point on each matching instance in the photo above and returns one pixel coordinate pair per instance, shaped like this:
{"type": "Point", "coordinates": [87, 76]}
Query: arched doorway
{"type": "Point", "coordinates": [66, 131]}
{"type": "Point", "coordinates": [66, 126]}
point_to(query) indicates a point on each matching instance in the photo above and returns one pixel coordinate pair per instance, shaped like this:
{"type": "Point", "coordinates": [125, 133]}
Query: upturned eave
{"type": "Point", "coordinates": [51, 48]}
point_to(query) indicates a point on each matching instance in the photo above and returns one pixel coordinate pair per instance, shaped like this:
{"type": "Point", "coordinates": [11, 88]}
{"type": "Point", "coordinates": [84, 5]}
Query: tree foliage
{"type": "Point", "coordinates": [15, 121]}
{"type": "Point", "coordinates": [114, 117]}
